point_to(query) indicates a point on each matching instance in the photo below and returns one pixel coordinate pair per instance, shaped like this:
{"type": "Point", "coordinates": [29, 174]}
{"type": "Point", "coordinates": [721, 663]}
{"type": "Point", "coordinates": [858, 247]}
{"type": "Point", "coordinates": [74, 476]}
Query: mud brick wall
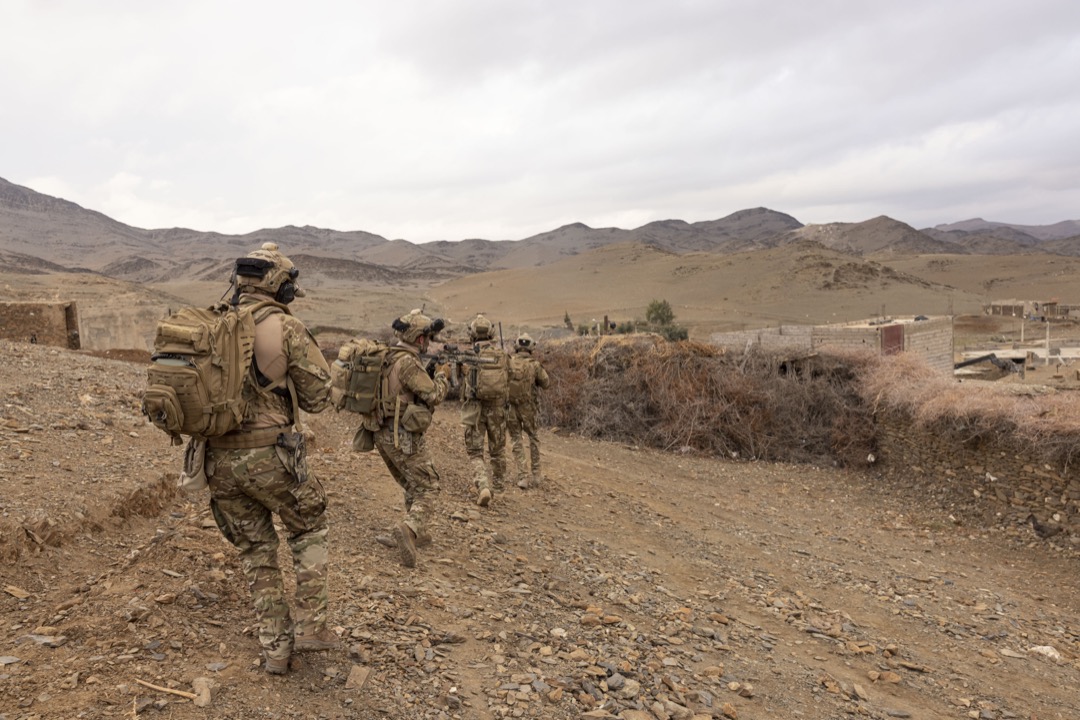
{"type": "Point", "coordinates": [785, 336]}
{"type": "Point", "coordinates": [931, 339]}
{"type": "Point", "coordinates": [847, 337]}
{"type": "Point", "coordinates": [1000, 480]}
{"type": "Point", "coordinates": [50, 323]}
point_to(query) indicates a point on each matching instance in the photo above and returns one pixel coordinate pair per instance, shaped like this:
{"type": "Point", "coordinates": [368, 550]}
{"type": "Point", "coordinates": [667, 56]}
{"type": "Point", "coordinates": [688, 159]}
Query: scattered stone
{"type": "Point", "coordinates": [1046, 651]}
{"type": "Point", "coordinates": [16, 592]}
{"type": "Point", "coordinates": [50, 641]}
{"type": "Point", "coordinates": [358, 677]}
{"type": "Point", "coordinates": [201, 687]}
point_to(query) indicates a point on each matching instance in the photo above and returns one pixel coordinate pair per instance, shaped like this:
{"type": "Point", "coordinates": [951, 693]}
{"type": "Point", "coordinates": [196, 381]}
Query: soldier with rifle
{"type": "Point", "coordinates": [483, 411]}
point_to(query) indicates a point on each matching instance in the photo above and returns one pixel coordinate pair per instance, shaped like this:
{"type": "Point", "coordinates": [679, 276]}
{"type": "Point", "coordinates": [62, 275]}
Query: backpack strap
{"type": "Point", "coordinates": [391, 358]}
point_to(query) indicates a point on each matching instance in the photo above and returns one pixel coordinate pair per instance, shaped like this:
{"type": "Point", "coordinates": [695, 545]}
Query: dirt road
{"type": "Point", "coordinates": [634, 584]}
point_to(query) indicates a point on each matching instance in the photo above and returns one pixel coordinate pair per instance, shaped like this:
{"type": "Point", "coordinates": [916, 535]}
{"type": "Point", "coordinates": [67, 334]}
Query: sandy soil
{"type": "Point", "coordinates": [633, 584]}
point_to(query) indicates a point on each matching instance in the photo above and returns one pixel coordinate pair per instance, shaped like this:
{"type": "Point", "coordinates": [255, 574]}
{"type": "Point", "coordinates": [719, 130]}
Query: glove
{"type": "Point", "coordinates": [430, 369]}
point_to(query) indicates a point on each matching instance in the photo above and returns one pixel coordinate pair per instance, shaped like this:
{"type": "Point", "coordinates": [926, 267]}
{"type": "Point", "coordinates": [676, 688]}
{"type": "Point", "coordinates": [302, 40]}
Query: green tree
{"type": "Point", "coordinates": [674, 332]}
{"type": "Point", "coordinates": [659, 312]}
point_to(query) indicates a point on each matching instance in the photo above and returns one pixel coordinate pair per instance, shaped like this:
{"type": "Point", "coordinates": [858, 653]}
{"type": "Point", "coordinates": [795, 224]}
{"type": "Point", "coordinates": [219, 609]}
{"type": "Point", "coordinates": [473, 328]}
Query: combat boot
{"type": "Point", "coordinates": [277, 666]}
{"type": "Point", "coordinates": [406, 544]}
{"type": "Point", "coordinates": [523, 482]}
{"type": "Point", "coordinates": [325, 639]}
{"type": "Point", "coordinates": [387, 539]}
{"type": "Point", "coordinates": [484, 498]}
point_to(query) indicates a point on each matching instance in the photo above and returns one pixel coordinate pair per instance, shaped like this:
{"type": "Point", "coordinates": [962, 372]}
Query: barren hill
{"type": "Point", "coordinates": [800, 283]}
{"type": "Point", "coordinates": [999, 277]}
{"type": "Point", "coordinates": [1056, 231]}
{"type": "Point", "coordinates": [880, 237]}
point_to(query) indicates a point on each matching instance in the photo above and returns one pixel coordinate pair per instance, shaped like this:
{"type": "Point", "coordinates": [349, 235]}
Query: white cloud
{"type": "Point", "coordinates": [494, 119]}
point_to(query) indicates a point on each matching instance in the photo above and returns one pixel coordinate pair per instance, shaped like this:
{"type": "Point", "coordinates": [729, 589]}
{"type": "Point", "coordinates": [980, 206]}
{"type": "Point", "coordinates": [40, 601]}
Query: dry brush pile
{"type": "Point", "coordinates": [688, 396]}
{"type": "Point", "coordinates": [783, 406]}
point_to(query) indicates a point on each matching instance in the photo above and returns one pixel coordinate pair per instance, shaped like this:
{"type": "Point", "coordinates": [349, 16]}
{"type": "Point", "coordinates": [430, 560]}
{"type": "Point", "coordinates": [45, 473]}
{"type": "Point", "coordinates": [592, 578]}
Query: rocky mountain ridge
{"type": "Point", "coordinates": [40, 233]}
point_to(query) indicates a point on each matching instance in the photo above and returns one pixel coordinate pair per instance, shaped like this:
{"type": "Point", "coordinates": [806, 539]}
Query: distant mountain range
{"type": "Point", "coordinates": [44, 234]}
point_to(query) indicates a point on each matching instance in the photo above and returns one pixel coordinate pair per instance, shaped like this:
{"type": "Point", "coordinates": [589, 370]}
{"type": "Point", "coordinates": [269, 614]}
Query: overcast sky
{"type": "Point", "coordinates": [452, 119]}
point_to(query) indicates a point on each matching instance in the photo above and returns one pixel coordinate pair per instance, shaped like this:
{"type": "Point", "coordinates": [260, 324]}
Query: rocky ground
{"type": "Point", "coordinates": [633, 584]}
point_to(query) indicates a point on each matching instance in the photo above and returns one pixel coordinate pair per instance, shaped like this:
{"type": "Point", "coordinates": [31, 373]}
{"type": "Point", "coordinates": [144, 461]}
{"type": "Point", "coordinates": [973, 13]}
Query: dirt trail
{"type": "Point", "coordinates": [634, 584]}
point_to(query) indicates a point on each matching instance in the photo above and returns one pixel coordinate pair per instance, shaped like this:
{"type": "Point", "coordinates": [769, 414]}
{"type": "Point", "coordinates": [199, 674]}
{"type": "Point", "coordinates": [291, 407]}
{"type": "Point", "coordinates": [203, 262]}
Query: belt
{"type": "Point", "coordinates": [248, 439]}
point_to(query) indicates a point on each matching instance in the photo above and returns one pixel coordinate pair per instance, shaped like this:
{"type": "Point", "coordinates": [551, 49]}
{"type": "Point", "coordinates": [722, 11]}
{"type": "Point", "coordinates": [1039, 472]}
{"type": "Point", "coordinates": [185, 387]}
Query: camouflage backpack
{"type": "Point", "coordinates": [356, 377]}
{"type": "Point", "coordinates": [522, 378]}
{"type": "Point", "coordinates": [491, 377]}
{"type": "Point", "coordinates": [201, 359]}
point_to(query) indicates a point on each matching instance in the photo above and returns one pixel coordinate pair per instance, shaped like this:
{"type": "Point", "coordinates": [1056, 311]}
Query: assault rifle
{"type": "Point", "coordinates": [454, 357]}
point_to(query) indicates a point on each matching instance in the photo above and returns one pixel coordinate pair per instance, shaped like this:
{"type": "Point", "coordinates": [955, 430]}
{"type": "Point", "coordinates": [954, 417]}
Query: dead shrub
{"type": "Point", "coordinates": [688, 396]}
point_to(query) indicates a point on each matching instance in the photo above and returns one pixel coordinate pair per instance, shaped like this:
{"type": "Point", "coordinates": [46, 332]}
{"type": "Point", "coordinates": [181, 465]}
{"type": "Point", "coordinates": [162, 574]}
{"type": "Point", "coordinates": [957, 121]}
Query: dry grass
{"type": "Point", "coordinates": [821, 408]}
{"type": "Point", "coordinates": [1047, 426]}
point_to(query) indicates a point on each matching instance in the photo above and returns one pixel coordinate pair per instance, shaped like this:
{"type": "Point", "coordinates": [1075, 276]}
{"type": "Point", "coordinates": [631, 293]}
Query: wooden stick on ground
{"type": "Point", "coordinates": [181, 693]}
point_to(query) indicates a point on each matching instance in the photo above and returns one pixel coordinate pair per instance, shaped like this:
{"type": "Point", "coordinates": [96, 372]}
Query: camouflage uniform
{"type": "Point", "coordinates": [484, 419]}
{"type": "Point", "coordinates": [250, 480]}
{"type": "Point", "coordinates": [406, 455]}
{"type": "Point", "coordinates": [521, 415]}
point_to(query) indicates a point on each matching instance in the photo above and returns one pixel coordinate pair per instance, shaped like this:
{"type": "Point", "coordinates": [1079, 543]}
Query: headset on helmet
{"type": "Point", "coordinates": [410, 327]}
{"type": "Point", "coordinates": [266, 269]}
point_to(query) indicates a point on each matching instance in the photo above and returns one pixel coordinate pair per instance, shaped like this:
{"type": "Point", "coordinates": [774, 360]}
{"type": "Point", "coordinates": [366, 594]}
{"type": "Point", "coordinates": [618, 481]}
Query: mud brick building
{"type": "Point", "coordinates": [46, 323]}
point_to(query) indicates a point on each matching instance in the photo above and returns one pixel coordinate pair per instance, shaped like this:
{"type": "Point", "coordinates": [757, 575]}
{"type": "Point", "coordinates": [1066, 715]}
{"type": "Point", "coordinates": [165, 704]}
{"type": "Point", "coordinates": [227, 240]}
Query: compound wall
{"type": "Point", "coordinates": [46, 323]}
{"type": "Point", "coordinates": [931, 338]}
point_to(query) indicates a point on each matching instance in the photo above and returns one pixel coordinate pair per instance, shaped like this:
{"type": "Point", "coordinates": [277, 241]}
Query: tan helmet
{"type": "Point", "coordinates": [480, 328]}
{"type": "Point", "coordinates": [267, 270]}
{"type": "Point", "coordinates": [410, 327]}
{"type": "Point", "coordinates": [525, 343]}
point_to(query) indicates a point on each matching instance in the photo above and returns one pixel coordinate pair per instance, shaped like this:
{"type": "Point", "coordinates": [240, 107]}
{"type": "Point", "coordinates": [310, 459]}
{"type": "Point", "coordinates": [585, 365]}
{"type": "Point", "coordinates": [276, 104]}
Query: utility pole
{"type": "Point", "coordinates": [1047, 342]}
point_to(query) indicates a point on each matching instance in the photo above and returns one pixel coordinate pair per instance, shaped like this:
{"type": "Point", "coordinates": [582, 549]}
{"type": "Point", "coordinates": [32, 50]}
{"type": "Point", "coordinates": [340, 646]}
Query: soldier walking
{"type": "Point", "coordinates": [259, 470]}
{"type": "Point", "coordinates": [527, 378]}
{"type": "Point", "coordinates": [483, 412]}
{"type": "Point", "coordinates": [410, 393]}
